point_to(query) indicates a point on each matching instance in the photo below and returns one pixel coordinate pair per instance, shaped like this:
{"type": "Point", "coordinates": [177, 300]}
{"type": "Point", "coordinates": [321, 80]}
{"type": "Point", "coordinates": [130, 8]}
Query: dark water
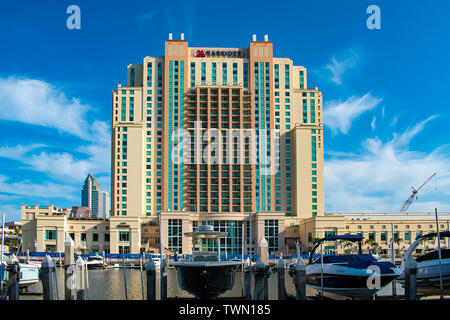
{"type": "Point", "coordinates": [108, 284]}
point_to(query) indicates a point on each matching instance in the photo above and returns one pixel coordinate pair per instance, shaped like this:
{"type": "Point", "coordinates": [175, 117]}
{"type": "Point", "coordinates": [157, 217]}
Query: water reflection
{"type": "Point", "coordinates": [109, 285]}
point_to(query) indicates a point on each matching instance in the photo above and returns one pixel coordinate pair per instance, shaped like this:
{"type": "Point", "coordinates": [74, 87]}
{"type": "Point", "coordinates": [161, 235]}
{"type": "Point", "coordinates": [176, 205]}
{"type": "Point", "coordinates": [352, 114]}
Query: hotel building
{"type": "Point", "coordinates": [215, 134]}
{"type": "Point", "coordinates": [252, 147]}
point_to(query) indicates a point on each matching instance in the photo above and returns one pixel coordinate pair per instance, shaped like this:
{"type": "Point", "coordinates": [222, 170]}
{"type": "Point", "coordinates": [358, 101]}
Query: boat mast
{"type": "Point", "coordinates": [440, 254]}
{"type": "Point", "coordinates": [1, 266]}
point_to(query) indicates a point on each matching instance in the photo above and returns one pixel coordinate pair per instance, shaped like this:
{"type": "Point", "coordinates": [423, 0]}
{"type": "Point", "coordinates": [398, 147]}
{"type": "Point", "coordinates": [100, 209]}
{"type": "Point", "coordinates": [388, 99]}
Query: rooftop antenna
{"type": "Point", "coordinates": [182, 36]}
{"type": "Point", "coordinates": [170, 36]}
{"type": "Point", "coordinates": [254, 37]}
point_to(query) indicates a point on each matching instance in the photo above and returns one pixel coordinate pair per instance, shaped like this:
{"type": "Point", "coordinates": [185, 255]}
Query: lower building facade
{"type": "Point", "coordinates": [46, 229]}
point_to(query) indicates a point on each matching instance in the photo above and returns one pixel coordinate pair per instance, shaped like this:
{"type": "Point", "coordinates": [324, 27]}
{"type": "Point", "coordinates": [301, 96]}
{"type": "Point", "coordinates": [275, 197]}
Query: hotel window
{"type": "Point", "coordinates": [149, 74]}
{"type": "Point", "coordinates": [50, 234]}
{"type": "Point", "coordinates": [286, 76]}
{"type": "Point", "coordinates": [83, 236]}
{"type": "Point", "coordinates": [384, 236]}
{"type": "Point", "coordinates": [235, 75]}
{"type": "Point", "coordinates": [309, 237]}
{"type": "Point", "coordinates": [106, 237]}
{"type": "Point", "coordinates": [203, 74]}
{"type": "Point", "coordinates": [271, 234]}
{"type": "Point", "coordinates": [407, 236]}
{"type": "Point", "coordinates": [302, 80]}
{"type": "Point", "coordinates": [372, 236]}
{"type": "Point", "coordinates": [124, 236]}
{"type": "Point", "coordinates": [160, 77]}
{"type": "Point", "coordinates": [224, 72]}
{"type": "Point", "coordinates": [277, 76]}
{"type": "Point", "coordinates": [124, 109]}
{"type": "Point", "coordinates": [312, 111]}
{"type": "Point", "coordinates": [175, 235]}
{"type": "Point", "coordinates": [131, 77]}
{"type": "Point", "coordinates": [214, 72]}
{"type": "Point", "coordinates": [245, 75]}
{"type": "Point", "coordinates": [418, 234]}
{"type": "Point", "coordinates": [95, 237]}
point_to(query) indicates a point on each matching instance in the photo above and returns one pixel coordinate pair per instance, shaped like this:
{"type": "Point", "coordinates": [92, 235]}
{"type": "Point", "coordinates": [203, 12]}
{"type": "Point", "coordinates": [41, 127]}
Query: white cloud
{"type": "Point", "coordinates": [373, 124]}
{"type": "Point", "coordinates": [12, 212]}
{"type": "Point", "coordinates": [19, 151]}
{"type": "Point", "coordinates": [148, 16]}
{"type": "Point", "coordinates": [40, 103]}
{"type": "Point", "coordinates": [339, 115]}
{"type": "Point", "coordinates": [379, 178]}
{"type": "Point", "coordinates": [338, 66]}
{"type": "Point", "coordinates": [47, 190]}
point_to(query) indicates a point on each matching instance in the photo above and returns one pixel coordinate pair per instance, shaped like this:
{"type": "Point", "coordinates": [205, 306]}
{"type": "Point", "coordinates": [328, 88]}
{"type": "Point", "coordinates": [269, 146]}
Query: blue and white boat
{"type": "Point", "coordinates": [348, 274]}
{"type": "Point", "coordinates": [29, 273]}
{"type": "Point", "coordinates": [205, 276]}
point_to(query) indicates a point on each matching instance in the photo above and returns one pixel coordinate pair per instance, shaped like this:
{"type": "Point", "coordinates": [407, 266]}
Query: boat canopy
{"type": "Point", "coordinates": [348, 237]}
{"type": "Point", "coordinates": [445, 234]}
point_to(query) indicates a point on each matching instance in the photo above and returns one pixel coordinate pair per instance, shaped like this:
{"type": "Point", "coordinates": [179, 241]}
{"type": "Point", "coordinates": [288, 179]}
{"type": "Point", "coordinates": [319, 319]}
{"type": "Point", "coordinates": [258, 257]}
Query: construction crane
{"type": "Point", "coordinates": [408, 202]}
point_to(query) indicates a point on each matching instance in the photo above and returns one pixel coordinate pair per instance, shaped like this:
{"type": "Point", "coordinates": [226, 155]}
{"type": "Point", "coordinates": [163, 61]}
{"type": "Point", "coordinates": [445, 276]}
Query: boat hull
{"type": "Point", "coordinates": [351, 281]}
{"type": "Point", "coordinates": [428, 278]}
{"type": "Point", "coordinates": [206, 281]}
{"type": "Point", "coordinates": [346, 285]}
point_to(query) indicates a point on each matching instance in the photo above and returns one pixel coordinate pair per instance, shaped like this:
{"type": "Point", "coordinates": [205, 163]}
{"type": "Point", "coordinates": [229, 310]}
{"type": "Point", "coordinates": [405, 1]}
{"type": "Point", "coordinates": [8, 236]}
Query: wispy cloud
{"type": "Point", "coordinates": [339, 115]}
{"type": "Point", "coordinates": [378, 179]}
{"type": "Point", "coordinates": [47, 190]}
{"type": "Point", "coordinates": [148, 16]}
{"type": "Point", "coordinates": [373, 123]}
{"type": "Point", "coordinates": [340, 64]}
{"type": "Point", "coordinates": [40, 103]}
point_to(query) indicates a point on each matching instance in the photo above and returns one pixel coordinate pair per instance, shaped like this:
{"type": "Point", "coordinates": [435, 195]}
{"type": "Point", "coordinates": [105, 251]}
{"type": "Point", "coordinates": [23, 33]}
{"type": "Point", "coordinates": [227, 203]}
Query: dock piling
{"type": "Point", "coordinates": [46, 275]}
{"type": "Point", "coordinates": [150, 270]}
{"type": "Point", "coordinates": [163, 266]}
{"type": "Point", "coordinates": [281, 280]}
{"type": "Point", "coordinates": [80, 278]}
{"type": "Point", "coordinates": [13, 280]}
{"type": "Point", "coordinates": [299, 279]}
{"type": "Point", "coordinates": [262, 273]}
{"type": "Point", "coordinates": [411, 279]}
{"type": "Point", "coordinates": [247, 283]}
{"type": "Point", "coordinates": [69, 265]}
{"type": "Point", "coordinates": [124, 278]}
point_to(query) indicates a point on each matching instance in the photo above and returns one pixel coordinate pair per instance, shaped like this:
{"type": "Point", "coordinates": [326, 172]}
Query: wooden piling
{"type": "Point", "coordinates": [300, 279]}
{"type": "Point", "coordinates": [411, 278]}
{"type": "Point", "coordinates": [69, 272]}
{"type": "Point", "coordinates": [80, 279]}
{"type": "Point", "coordinates": [150, 270]}
{"type": "Point", "coordinates": [281, 280]}
{"type": "Point", "coordinates": [46, 275]}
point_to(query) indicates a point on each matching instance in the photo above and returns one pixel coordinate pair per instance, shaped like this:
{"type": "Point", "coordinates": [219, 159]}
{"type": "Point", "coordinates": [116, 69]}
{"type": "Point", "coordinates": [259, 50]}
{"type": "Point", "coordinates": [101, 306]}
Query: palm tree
{"type": "Point", "coordinates": [348, 244]}
{"type": "Point", "coordinates": [398, 241]}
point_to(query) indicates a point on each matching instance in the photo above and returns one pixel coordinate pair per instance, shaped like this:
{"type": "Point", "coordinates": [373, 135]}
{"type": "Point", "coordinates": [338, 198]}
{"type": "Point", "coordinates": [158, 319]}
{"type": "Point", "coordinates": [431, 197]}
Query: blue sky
{"type": "Point", "coordinates": [385, 91]}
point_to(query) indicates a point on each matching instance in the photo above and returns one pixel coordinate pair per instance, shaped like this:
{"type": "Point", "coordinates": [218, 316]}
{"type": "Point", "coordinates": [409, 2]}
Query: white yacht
{"type": "Point", "coordinates": [95, 262]}
{"type": "Point", "coordinates": [29, 273]}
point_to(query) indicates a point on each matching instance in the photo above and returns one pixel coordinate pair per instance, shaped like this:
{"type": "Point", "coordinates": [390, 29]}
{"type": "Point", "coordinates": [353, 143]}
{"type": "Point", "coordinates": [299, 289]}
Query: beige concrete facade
{"type": "Point", "coordinates": [375, 226]}
{"type": "Point", "coordinates": [46, 229]}
{"type": "Point", "coordinates": [224, 89]}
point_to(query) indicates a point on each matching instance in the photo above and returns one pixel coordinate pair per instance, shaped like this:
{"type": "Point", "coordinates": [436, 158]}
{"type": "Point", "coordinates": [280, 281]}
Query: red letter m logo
{"type": "Point", "coordinates": [200, 53]}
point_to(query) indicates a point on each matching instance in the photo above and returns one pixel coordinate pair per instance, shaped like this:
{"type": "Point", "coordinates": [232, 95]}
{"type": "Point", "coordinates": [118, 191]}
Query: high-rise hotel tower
{"type": "Point", "coordinates": [214, 134]}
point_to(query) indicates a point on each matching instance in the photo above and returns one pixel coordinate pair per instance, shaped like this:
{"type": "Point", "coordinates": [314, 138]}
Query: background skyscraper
{"type": "Point", "coordinates": [91, 195]}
